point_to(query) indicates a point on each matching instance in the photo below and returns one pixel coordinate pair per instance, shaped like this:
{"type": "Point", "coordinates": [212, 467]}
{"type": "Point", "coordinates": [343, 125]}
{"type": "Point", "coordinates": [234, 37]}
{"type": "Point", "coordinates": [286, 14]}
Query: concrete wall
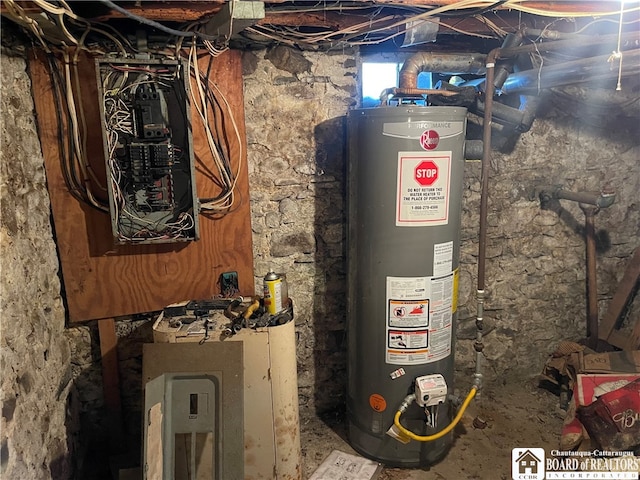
{"type": "Point", "coordinates": [38, 422]}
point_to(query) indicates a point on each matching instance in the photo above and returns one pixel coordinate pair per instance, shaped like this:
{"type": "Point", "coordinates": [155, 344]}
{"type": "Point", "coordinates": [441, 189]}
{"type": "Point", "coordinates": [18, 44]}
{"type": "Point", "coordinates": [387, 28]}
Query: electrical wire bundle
{"type": "Point", "coordinates": [206, 97]}
{"type": "Point", "coordinates": [380, 24]}
{"type": "Point", "coordinates": [64, 36]}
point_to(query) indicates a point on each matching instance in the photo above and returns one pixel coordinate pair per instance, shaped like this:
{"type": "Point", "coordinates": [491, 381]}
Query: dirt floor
{"type": "Point", "coordinates": [517, 415]}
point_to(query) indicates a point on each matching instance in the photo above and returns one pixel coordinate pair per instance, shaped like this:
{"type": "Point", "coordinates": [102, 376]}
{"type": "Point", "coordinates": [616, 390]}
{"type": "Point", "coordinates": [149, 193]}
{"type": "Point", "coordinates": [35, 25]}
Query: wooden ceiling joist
{"type": "Point", "coordinates": [187, 11]}
{"type": "Point", "coordinates": [283, 13]}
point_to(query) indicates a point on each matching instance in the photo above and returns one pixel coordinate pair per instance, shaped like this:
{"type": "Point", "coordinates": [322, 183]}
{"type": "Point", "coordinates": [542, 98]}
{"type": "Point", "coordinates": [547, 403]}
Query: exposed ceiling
{"type": "Point", "coordinates": [334, 24]}
{"type": "Point", "coordinates": [562, 43]}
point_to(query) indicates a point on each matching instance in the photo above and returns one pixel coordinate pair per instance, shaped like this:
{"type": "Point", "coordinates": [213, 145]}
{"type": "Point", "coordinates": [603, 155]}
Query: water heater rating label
{"type": "Point", "coordinates": [423, 188]}
{"type": "Point", "coordinates": [419, 319]}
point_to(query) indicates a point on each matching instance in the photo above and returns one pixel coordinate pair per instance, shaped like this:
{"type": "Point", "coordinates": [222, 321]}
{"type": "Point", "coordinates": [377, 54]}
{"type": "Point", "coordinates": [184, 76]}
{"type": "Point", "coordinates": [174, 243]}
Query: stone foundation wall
{"type": "Point", "coordinates": [295, 107]}
{"type": "Point", "coordinates": [536, 267]}
{"type": "Point", "coordinates": [38, 423]}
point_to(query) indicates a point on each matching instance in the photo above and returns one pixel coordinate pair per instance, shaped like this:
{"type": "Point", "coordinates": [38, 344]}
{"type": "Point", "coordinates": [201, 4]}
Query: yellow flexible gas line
{"type": "Point", "coordinates": [444, 431]}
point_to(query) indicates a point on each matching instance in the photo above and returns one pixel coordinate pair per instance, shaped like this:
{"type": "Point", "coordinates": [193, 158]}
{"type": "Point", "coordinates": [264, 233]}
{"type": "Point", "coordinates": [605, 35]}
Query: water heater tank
{"type": "Point", "coordinates": [405, 176]}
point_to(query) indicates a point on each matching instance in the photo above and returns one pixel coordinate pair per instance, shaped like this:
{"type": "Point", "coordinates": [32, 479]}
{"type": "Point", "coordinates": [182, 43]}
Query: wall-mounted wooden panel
{"type": "Point", "coordinates": [102, 279]}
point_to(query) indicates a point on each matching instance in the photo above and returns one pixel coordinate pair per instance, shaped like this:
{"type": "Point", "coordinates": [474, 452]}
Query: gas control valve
{"type": "Point", "coordinates": [430, 390]}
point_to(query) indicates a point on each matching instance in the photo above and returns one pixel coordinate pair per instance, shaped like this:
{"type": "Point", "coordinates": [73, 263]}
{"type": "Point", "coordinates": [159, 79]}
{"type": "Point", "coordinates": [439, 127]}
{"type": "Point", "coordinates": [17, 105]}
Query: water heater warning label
{"type": "Point", "coordinates": [423, 188]}
{"type": "Point", "coordinates": [419, 319]}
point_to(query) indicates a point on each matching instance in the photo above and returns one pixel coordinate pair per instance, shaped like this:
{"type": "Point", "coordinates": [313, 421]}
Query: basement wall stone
{"type": "Point", "coordinates": [295, 115]}
{"type": "Point", "coordinates": [38, 423]}
{"type": "Point", "coordinates": [535, 267]}
{"type": "Point", "coordinates": [87, 374]}
{"type": "Point", "coordinates": [296, 142]}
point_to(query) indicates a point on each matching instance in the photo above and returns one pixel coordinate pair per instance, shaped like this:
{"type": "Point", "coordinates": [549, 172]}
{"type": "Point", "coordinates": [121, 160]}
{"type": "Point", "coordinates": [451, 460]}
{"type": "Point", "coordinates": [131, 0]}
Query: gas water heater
{"type": "Point", "coordinates": [405, 177]}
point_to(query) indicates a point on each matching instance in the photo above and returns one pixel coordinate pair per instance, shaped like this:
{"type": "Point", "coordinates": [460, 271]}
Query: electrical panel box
{"type": "Point", "coordinates": [193, 411]}
{"type": "Point", "coordinates": [190, 409]}
{"type": "Point", "coordinates": [146, 129]}
{"type": "Point", "coordinates": [271, 418]}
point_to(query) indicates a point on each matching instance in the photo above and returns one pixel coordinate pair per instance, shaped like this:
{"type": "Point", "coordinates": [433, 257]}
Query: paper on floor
{"type": "Point", "coordinates": [343, 466]}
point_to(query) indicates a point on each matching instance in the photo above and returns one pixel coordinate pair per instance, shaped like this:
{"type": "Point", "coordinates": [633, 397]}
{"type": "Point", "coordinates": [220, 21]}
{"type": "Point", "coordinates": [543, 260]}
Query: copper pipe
{"type": "Point", "coordinates": [384, 96]}
{"type": "Point", "coordinates": [482, 241]}
{"type": "Point", "coordinates": [424, 91]}
{"type": "Point", "coordinates": [592, 285]}
{"type": "Point", "coordinates": [486, 164]}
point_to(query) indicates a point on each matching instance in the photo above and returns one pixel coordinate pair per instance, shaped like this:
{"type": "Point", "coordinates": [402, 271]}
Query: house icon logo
{"type": "Point", "coordinates": [527, 464]}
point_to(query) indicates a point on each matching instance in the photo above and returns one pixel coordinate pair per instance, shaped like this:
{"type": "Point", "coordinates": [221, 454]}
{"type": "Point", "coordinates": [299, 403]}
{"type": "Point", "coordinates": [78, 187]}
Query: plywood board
{"type": "Point", "coordinates": [103, 280]}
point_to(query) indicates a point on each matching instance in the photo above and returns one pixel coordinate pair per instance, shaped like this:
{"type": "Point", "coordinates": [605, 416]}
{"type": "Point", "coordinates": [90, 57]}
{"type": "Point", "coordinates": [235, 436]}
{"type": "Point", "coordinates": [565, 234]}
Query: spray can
{"type": "Point", "coordinates": [275, 292]}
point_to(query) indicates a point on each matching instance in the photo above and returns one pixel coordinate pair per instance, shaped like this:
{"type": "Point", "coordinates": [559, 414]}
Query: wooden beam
{"type": "Point", "coordinates": [167, 11]}
{"type": "Point", "coordinates": [508, 21]}
{"type": "Point", "coordinates": [188, 11]}
{"type": "Point", "coordinates": [619, 301]}
{"type": "Point", "coordinates": [111, 382]}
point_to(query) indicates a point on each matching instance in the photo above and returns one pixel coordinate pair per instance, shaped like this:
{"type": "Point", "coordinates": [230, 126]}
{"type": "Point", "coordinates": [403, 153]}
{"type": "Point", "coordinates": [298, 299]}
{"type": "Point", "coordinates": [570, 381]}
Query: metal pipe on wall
{"type": "Point", "coordinates": [577, 71]}
{"type": "Point", "coordinates": [484, 181]}
{"type": "Point", "coordinates": [486, 154]}
{"type": "Point", "coordinates": [590, 203]}
{"type": "Point", "coordinates": [602, 199]}
{"type": "Point", "coordinates": [592, 286]}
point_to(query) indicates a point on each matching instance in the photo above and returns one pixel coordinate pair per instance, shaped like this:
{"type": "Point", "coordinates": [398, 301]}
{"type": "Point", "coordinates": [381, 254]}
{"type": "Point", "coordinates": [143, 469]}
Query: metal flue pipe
{"type": "Point", "coordinates": [441, 63]}
{"type": "Point", "coordinates": [433, 62]}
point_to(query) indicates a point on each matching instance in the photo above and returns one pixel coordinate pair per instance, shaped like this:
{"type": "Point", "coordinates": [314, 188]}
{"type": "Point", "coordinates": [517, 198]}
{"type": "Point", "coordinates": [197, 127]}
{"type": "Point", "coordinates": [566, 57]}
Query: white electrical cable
{"type": "Point", "coordinates": [618, 52]}
{"type": "Point", "coordinates": [226, 199]}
